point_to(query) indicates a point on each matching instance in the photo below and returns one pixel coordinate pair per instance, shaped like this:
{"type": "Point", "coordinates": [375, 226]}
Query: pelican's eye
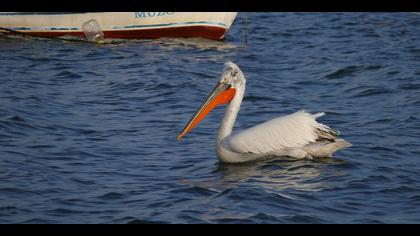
{"type": "Point", "coordinates": [234, 73]}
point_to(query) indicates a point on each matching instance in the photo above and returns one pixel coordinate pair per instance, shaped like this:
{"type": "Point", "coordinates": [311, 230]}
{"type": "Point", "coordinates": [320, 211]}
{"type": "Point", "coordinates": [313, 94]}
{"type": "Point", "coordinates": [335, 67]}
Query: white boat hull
{"type": "Point", "coordinates": [211, 25]}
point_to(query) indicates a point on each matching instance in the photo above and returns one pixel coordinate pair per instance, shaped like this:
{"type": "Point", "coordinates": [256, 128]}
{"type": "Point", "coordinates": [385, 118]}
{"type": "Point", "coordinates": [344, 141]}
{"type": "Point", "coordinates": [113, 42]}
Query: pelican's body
{"type": "Point", "coordinates": [297, 135]}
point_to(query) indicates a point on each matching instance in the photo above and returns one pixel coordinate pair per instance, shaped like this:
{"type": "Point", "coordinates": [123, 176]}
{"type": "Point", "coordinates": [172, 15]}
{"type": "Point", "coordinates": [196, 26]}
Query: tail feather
{"type": "Point", "coordinates": [317, 115]}
{"type": "Point", "coordinates": [326, 149]}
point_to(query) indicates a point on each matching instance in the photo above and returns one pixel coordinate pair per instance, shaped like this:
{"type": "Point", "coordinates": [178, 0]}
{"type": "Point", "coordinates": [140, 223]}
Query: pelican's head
{"type": "Point", "coordinates": [232, 75]}
{"type": "Point", "coordinates": [224, 91]}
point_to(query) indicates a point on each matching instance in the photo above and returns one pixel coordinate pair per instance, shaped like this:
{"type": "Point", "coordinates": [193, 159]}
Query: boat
{"type": "Point", "coordinates": [124, 25]}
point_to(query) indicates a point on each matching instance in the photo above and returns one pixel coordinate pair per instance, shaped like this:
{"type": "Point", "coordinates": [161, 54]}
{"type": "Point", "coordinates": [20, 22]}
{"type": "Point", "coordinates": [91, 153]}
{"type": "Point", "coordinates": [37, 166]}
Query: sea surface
{"type": "Point", "coordinates": [87, 132]}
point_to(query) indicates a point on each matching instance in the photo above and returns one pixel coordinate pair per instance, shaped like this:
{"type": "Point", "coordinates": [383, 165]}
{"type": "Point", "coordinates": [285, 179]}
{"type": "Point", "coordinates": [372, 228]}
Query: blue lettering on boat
{"type": "Point", "coordinates": [151, 14]}
{"type": "Point", "coordinates": [139, 14]}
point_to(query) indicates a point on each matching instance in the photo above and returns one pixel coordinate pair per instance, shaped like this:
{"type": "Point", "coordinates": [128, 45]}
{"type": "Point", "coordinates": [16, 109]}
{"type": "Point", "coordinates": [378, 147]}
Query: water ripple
{"type": "Point", "coordinates": [87, 133]}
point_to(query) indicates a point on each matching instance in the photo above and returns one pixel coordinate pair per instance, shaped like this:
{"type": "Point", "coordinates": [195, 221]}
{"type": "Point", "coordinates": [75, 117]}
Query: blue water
{"type": "Point", "coordinates": [87, 132]}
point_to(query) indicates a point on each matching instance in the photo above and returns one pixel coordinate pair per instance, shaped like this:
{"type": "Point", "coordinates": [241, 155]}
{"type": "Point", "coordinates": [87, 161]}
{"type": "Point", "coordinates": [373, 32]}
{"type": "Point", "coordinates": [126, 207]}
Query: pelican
{"type": "Point", "coordinates": [297, 135]}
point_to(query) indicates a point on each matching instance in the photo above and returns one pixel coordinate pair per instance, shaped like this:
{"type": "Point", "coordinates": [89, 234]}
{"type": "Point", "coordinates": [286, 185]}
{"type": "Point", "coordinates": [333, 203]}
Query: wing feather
{"type": "Point", "coordinates": [294, 130]}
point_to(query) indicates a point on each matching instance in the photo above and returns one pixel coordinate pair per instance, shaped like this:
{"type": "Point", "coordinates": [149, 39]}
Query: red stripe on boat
{"type": "Point", "coordinates": [209, 32]}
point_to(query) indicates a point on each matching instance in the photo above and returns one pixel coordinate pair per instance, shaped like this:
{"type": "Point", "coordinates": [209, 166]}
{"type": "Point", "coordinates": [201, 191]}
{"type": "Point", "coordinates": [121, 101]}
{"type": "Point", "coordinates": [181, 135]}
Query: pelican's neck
{"type": "Point", "coordinates": [231, 113]}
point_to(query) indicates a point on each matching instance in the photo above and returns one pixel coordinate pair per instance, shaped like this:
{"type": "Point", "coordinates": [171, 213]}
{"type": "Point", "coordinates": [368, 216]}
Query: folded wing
{"type": "Point", "coordinates": [294, 130]}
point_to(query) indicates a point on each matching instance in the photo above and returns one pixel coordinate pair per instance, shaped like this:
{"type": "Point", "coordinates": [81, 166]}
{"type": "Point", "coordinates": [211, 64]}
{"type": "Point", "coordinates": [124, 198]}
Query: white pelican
{"type": "Point", "coordinates": [297, 135]}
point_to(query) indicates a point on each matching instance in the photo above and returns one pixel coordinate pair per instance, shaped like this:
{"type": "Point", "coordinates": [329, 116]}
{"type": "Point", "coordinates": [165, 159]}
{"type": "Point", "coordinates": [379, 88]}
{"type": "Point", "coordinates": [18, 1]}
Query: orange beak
{"type": "Point", "coordinates": [221, 94]}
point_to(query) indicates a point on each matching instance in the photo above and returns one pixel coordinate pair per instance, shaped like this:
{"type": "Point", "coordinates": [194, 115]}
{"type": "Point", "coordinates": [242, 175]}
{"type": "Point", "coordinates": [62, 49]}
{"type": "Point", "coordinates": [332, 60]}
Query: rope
{"type": "Point", "coordinates": [246, 29]}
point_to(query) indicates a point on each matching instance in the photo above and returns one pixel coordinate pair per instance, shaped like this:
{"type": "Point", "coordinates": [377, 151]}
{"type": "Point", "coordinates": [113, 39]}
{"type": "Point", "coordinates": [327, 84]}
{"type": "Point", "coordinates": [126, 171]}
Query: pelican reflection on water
{"type": "Point", "coordinates": [297, 135]}
{"type": "Point", "coordinates": [276, 175]}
